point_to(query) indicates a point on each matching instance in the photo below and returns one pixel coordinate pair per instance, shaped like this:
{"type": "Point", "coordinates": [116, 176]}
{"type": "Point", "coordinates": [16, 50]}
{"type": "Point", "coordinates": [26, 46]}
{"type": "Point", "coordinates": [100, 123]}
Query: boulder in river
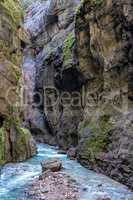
{"type": "Point", "coordinates": [53, 164]}
{"type": "Point", "coordinates": [72, 153]}
{"type": "Point", "coordinates": [57, 185]}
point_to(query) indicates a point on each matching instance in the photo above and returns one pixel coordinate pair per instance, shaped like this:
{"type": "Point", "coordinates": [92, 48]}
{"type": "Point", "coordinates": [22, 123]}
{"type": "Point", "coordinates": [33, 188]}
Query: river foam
{"type": "Point", "coordinates": [15, 178]}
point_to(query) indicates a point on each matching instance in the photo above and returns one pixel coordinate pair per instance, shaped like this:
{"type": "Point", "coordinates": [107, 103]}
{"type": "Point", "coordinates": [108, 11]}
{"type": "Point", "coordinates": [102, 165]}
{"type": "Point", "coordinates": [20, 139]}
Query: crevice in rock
{"type": "Point", "coordinates": [2, 119]}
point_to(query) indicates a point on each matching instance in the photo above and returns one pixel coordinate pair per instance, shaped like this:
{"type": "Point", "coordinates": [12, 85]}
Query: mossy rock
{"type": "Point", "coordinates": [2, 146]}
{"type": "Point", "coordinates": [21, 144]}
{"type": "Point", "coordinates": [98, 142]}
{"type": "Point", "coordinates": [67, 49]}
{"type": "Point", "coordinates": [13, 10]}
{"type": "Point", "coordinates": [92, 3]}
{"type": "Point", "coordinates": [21, 147]}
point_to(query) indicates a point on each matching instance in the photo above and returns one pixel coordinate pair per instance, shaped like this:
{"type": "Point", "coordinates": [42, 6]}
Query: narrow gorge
{"type": "Point", "coordinates": [66, 71]}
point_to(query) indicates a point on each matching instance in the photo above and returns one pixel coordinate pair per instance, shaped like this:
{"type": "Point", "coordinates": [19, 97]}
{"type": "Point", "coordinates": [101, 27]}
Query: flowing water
{"type": "Point", "coordinates": [16, 177]}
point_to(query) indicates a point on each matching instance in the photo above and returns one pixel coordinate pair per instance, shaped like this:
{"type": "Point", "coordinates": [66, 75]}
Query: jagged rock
{"type": "Point", "coordinates": [52, 71]}
{"type": "Point", "coordinates": [71, 153]}
{"type": "Point", "coordinates": [20, 140]}
{"type": "Point", "coordinates": [54, 165]}
{"type": "Point", "coordinates": [45, 174]}
{"type": "Point", "coordinates": [16, 143]}
{"type": "Point", "coordinates": [61, 185]}
{"type": "Point", "coordinates": [23, 144]}
{"type": "Point", "coordinates": [104, 45]}
{"type": "Point", "coordinates": [90, 57]}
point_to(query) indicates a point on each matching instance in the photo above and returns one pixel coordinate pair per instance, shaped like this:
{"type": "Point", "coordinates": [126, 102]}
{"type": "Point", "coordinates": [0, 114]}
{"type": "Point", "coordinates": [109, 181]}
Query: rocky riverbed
{"type": "Point", "coordinates": [83, 72]}
{"type": "Point", "coordinates": [54, 186]}
{"type": "Point", "coordinates": [25, 185]}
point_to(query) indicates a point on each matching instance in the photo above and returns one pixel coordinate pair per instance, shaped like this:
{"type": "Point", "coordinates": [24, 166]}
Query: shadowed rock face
{"type": "Point", "coordinates": [104, 46]}
{"type": "Point", "coordinates": [50, 23]}
{"type": "Point", "coordinates": [16, 144]}
{"type": "Point", "coordinates": [86, 53]}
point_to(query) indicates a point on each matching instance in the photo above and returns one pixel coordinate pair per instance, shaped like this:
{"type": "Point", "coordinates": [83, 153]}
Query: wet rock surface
{"type": "Point", "coordinates": [54, 186]}
{"type": "Point", "coordinates": [17, 179]}
{"type": "Point", "coordinates": [84, 55]}
{"type": "Point", "coordinates": [72, 153]}
{"type": "Point", "coordinates": [16, 143]}
{"type": "Point", "coordinates": [51, 23]}
{"type": "Point", "coordinates": [105, 139]}
{"type": "Point", "coordinates": [53, 165]}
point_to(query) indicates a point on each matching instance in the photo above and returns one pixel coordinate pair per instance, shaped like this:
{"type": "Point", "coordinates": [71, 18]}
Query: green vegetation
{"type": "Point", "coordinates": [12, 119]}
{"type": "Point", "coordinates": [2, 146]}
{"type": "Point", "coordinates": [98, 2]}
{"type": "Point", "coordinates": [13, 10]}
{"type": "Point", "coordinates": [67, 50]}
{"type": "Point", "coordinates": [94, 3]}
{"type": "Point", "coordinates": [16, 72]}
{"type": "Point", "coordinates": [4, 47]}
{"type": "Point", "coordinates": [14, 148]}
{"type": "Point", "coordinates": [99, 140]}
{"type": "Point", "coordinates": [13, 15]}
{"type": "Point", "coordinates": [21, 144]}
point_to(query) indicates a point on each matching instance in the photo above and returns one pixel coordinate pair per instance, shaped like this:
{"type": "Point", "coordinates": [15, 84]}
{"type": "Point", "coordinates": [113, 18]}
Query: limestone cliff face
{"type": "Point", "coordinates": [84, 74]}
{"type": "Point", "coordinates": [104, 46]}
{"type": "Point", "coordinates": [53, 42]}
{"type": "Point", "coordinates": [16, 143]}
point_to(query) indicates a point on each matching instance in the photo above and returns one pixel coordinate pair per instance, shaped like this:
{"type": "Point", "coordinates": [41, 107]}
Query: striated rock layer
{"type": "Point", "coordinates": [104, 45]}
{"type": "Point", "coordinates": [16, 143]}
{"type": "Point", "coordinates": [51, 24]}
{"type": "Point", "coordinates": [84, 75]}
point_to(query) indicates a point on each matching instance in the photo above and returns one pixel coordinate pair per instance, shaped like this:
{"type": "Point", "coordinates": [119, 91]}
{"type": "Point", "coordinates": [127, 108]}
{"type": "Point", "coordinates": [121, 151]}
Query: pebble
{"type": "Point", "coordinates": [54, 186]}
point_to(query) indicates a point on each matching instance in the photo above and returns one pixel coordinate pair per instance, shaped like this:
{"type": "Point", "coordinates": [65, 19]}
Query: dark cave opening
{"type": "Point", "coordinates": [2, 119]}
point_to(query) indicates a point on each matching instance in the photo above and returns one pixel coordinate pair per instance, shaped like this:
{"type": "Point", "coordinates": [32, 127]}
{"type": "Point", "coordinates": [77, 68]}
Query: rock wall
{"type": "Point", "coordinates": [83, 58]}
{"type": "Point", "coordinates": [52, 29]}
{"type": "Point", "coordinates": [104, 45]}
{"type": "Point", "coordinates": [16, 143]}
